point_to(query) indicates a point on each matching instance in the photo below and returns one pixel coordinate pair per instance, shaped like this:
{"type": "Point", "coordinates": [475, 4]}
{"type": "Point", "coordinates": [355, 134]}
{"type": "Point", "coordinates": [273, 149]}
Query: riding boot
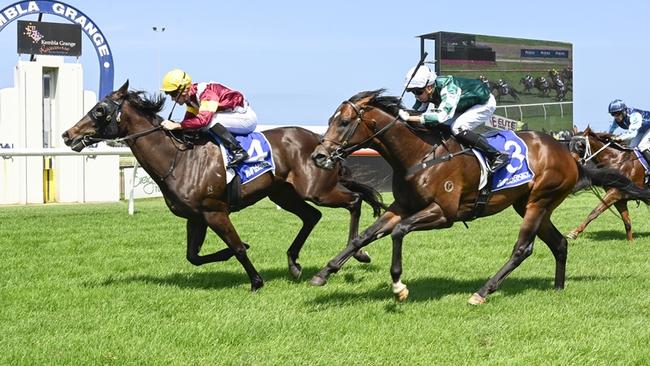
{"type": "Point", "coordinates": [496, 158]}
{"type": "Point", "coordinates": [239, 155]}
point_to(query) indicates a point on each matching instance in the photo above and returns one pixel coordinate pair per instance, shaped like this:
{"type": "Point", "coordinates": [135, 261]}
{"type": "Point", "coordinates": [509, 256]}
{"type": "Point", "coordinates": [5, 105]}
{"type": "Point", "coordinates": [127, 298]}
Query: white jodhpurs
{"type": "Point", "coordinates": [644, 144]}
{"type": "Point", "coordinates": [474, 116]}
{"type": "Point", "coordinates": [242, 120]}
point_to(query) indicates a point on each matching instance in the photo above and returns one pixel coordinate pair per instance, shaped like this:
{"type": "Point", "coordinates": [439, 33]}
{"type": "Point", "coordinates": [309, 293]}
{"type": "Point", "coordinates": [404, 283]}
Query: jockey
{"type": "Point", "coordinates": [461, 103]}
{"type": "Point", "coordinates": [211, 106]}
{"type": "Point", "coordinates": [636, 122]}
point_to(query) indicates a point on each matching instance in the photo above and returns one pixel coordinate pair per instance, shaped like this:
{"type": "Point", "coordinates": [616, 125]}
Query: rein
{"type": "Point", "coordinates": [112, 120]}
{"type": "Point", "coordinates": [588, 155]}
{"type": "Point", "coordinates": [344, 150]}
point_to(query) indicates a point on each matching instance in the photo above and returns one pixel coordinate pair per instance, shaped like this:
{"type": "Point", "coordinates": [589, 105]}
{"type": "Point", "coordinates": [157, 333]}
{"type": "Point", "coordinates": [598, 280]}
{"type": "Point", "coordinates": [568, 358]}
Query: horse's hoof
{"type": "Point", "coordinates": [362, 256]}
{"type": "Point", "coordinates": [256, 285]}
{"type": "Point", "coordinates": [318, 281]}
{"type": "Point", "coordinates": [476, 299]}
{"type": "Point", "coordinates": [402, 295]}
{"type": "Point", "coordinates": [295, 270]}
{"type": "Point", "coordinates": [572, 235]}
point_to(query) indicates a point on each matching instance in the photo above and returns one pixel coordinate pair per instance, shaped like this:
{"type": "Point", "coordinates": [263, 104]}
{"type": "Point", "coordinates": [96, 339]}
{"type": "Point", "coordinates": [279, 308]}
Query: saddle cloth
{"type": "Point", "coordinates": [517, 172]}
{"type": "Point", "coordinates": [260, 157]}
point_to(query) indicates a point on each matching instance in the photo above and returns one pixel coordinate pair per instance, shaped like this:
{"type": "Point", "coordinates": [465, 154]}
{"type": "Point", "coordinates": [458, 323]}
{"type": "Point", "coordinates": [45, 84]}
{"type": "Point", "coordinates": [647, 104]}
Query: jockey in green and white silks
{"type": "Point", "coordinates": [461, 103]}
{"type": "Point", "coordinates": [635, 122]}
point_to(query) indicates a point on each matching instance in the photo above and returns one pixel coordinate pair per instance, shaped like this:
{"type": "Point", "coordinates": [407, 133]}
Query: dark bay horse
{"type": "Point", "coordinates": [443, 193]}
{"type": "Point", "coordinates": [193, 180]}
{"type": "Point", "coordinates": [602, 150]}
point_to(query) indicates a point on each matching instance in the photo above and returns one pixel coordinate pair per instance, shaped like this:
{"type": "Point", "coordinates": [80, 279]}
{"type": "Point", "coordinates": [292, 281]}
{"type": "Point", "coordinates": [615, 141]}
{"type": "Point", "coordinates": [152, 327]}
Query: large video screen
{"type": "Point", "coordinates": [532, 80]}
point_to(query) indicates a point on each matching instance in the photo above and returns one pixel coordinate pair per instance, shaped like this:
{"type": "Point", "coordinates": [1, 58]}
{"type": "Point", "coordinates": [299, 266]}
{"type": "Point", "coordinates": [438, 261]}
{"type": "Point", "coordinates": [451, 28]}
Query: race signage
{"type": "Point", "coordinates": [527, 52]}
{"type": "Point", "coordinates": [144, 186]}
{"type": "Point", "coordinates": [40, 38]}
{"type": "Point", "coordinates": [70, 13]}
{"type": "Point", "coordinates": [503, 123]}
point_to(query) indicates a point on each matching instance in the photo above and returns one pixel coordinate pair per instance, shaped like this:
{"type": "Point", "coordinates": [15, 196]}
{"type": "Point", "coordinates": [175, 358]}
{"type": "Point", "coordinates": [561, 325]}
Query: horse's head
{"type": "Point", "coordinates": [354, 125]}
{"type": "Point", "coordinates": [102, 121]}
{"type": "Point", "coordinates": [588, 144]}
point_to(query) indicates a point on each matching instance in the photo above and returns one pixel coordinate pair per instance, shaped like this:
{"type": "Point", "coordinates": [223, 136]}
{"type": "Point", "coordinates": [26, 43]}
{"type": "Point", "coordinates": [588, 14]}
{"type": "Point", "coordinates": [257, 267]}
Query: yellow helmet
{"type": "Point", "coordinates": [175, 79]}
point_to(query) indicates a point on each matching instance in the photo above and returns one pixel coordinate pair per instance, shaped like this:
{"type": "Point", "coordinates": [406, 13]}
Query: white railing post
{"type": "Point", "coordinates": [131, 194]}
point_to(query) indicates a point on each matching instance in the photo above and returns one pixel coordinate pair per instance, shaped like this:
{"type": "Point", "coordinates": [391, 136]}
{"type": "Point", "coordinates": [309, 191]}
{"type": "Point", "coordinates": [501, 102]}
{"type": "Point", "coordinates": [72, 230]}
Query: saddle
{"type": "Point", "coordinates": [437, 136]}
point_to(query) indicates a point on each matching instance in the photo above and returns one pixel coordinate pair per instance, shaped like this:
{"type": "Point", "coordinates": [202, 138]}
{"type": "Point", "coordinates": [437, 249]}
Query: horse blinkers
{"type": "Point", "coordinates": [106, 116]}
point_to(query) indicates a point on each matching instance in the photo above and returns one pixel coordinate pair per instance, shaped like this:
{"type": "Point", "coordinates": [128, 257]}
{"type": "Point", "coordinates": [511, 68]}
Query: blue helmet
{"type": "Point", "coordinates": [617, 105]}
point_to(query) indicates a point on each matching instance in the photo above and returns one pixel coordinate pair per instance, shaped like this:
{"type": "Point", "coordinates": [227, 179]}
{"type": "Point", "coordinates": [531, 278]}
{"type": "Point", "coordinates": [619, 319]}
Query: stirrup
{"type": "Point", "coordinates": [238, 158]}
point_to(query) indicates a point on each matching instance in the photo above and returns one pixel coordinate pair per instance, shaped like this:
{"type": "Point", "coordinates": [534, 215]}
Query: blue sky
{"type": "Point", "coordinates": [296, 61]}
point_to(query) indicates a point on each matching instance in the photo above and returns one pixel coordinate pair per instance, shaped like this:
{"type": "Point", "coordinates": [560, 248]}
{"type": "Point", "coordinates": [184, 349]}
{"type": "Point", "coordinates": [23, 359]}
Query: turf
{"type": "Point", "coordinates": [88, 284]}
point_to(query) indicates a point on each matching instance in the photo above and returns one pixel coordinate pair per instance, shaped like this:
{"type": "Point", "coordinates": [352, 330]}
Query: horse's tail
{"type": "Point", "coordinates": [610, 178]}
{"type": "Point", "coordinates": [368, 194]}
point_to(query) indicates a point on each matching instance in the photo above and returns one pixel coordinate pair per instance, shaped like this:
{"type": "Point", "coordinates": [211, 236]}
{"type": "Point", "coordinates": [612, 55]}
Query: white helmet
{"type": "Point", "coordinates": [422, 78]}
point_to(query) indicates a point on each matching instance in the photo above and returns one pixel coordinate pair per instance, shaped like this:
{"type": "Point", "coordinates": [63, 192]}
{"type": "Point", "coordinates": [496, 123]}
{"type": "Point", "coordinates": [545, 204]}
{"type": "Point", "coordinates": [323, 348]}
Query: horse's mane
{"type": "Point", "coordinates": [149, 106]}
{"type": "Point", "coordinates": [388, 104]}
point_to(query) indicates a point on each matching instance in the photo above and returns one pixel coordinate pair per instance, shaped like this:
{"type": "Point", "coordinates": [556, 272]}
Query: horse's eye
{"type": "Point", "coordinates": [345, 122]}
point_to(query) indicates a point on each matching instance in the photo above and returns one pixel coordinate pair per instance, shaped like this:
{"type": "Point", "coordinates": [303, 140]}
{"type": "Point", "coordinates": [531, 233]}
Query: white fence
{"type": "Point", "coordinates": [543, 105]}
{"type": "Point", "coordinates": [122, 151]}
{"type": "Point", "coordinates": [137, 183]}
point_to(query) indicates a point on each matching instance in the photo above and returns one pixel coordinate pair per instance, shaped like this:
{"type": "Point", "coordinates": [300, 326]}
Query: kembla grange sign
{"type": "Point", "coordinates": [97, 38]}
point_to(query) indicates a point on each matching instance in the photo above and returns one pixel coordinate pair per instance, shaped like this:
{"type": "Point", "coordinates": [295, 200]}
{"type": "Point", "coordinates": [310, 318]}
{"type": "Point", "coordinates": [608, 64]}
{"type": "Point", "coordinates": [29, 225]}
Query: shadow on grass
{"type": "Point", "coordinates": [434, 288]}
{"type": "Point", "coordinates": [609, 235]}
{"type": "Point", "coordinates": [221, 279]}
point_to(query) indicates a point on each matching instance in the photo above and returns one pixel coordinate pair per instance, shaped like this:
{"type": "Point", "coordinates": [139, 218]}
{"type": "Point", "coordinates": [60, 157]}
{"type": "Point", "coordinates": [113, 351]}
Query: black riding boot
{"type": "Point", "coordinates": [228, 140]}
{"type": "Point", "coordinates": [497, 159]}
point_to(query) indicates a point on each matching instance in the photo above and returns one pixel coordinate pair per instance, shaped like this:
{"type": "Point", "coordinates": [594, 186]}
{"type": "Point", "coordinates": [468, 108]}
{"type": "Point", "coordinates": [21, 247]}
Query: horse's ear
{"type": "Point", "coordinates": [123, 89]}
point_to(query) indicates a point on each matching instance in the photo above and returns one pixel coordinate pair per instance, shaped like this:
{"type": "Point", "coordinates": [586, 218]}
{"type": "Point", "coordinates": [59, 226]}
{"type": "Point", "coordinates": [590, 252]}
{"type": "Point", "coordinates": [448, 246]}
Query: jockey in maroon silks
{"type": "Point", "coordinates": [211, 106]}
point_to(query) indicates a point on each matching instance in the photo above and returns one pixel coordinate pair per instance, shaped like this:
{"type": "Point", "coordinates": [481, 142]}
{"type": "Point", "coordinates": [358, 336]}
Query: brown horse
{"type": "Point", "coordinates": [603, 151]}
{"type": "Point", "coordinates": [194, 185]}
{"type": "Point", "coordinates": [443, 193]}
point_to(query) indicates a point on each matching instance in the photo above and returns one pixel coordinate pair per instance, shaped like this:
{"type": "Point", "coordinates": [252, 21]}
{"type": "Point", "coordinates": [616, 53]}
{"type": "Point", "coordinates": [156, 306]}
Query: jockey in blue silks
{"type": "Point", "coordinates": [635, 122]}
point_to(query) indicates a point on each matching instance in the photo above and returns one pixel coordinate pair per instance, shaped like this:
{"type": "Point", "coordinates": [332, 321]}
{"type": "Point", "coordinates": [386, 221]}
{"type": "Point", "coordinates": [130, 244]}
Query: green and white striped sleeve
{"type": "Point", "coordinates": [450, 96]}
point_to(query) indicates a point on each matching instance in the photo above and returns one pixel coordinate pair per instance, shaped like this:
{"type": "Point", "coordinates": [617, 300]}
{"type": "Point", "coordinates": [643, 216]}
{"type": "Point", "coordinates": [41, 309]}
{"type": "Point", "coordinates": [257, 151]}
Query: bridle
{"type": "Point", "coordinates": [344, 148]}
{"type": "Point", "coordinates": [107, 120]}
{"type": "Point", "coordinates": [587, 155]}
{"type": "Point", "coordinates": [341, 152]}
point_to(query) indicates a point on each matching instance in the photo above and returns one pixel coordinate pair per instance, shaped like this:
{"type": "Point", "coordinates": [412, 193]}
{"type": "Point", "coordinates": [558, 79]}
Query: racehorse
{"type": "Point", "coordinates": [502, 88]}
{"type": "Point", "coordinates": [602, 150]}
{"type": "Point", "coordinates": [528, 82]}
{"type": "Point", "coordinates": [542, 84]}
{"type": "Point", "coordinates": [446, 191]}
{"type": "Point", "coordinates": [193, 181]}
{"type": "Point", "coordinates": [560, 88]}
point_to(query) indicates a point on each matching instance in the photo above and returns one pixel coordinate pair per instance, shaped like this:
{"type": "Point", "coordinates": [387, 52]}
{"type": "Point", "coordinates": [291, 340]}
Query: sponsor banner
{"type": "Point", "coordinates": [145, 187]}
{"type": "Point", "coordinates": [75, 16]}
{"type": "Point", "coordinates": [527, 52]}
{"type": "Point", "coordinates": [41, 38]}
{"type": "Point", "coordinates": [504, 123]}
